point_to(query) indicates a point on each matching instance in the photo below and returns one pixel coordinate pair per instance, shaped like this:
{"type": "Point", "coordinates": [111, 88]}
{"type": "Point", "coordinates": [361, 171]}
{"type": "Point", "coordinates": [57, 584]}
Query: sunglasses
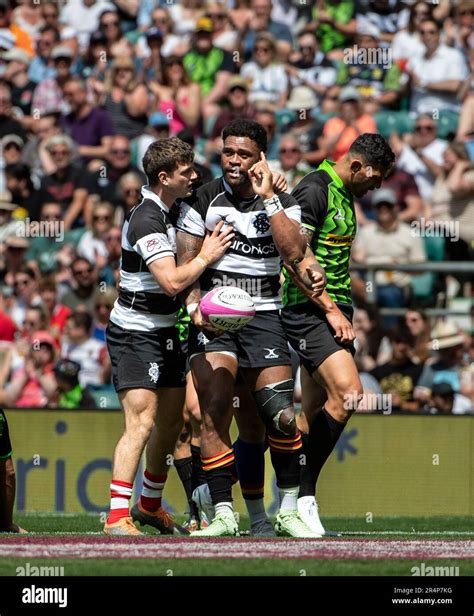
{"type": "Point", "coordinates": [466, 12]}
{"type": "Point", "coordinates": [216, 15]}
{"type": "Point", "coordinates": [9, 146]}
{"type": "Point", "coordinates": [110, 24]}
{"type": "Point", "coordinates": [289, 151]}
{"type": "Point", "coordinates": [101, 217]}
{"type": "Point", "coordinates": [421, 13]}
{"type": "Point", "coordinates": [30, 324]}
{"type": "Point", "coordinates": [82, 272]}
{"type": "Point", "coordinates": [59, 152]}
{"type": "Point", "coordinates": [424, 127]}
{"type": "Point", "coordinates": [132, 191]}
{"type": "Point", "coordinates": [21, 283]}
{"type": "Point", "coordinates": [51, 217]}
{"type": "Point", "coordinates": [113, 238]}
{"type": "Point", "coordinates": [426, 32]}
{"type": "Point", "coordinates": [120, 152]}
{"type": "Point", "coordinates": [160, 20]}
{"type": "Point", "coordinates": [98, 306]}
{"type": "Point", "coordinates": [309, 47]}
{"type": "Point", "coordinates": [262, 49]}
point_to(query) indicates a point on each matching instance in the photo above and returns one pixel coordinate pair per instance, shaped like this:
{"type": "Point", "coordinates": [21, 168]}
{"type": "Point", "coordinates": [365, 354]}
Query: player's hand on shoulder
{"type": "Point", "coordinates": [216, 243]}
{"type": "Point", "coordinates": [280, 183]}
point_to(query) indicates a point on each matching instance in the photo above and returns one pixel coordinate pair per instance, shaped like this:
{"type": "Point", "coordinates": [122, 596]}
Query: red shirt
{"type": "Point", "coordinates": [8, 328]}
{"type": "Point", "coordinates": [58, 320]}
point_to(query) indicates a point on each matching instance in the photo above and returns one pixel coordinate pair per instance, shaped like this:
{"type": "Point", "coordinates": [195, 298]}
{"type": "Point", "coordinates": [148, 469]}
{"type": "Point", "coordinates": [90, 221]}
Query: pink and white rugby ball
{"type": "Point", "coordinates": [227, 308]}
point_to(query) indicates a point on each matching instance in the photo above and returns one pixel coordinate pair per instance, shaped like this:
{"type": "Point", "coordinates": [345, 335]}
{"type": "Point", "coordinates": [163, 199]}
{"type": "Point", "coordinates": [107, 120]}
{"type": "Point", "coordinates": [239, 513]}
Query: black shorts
{"type": "Point", "coordinates": [310, 334]}
{"type": "Point", "coordinates": [148, 360]}
{"type": "Point", "coordinates": [259, 344]}
{"type": "Point", "coordinates": [5, 444]}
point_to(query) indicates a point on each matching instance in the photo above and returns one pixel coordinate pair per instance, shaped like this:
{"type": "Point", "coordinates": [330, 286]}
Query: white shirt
{"type": "Point", "coordinates": [84, 19]}
{"type": "Point", "coordinates": [410, 162]}
{"type": "Point", "coordinates": [445, 64]}
{"type": "Point", "coordinates": [407, 46]}
{"type": "Point", "coordinates": [90, 355]}
{"type": "Point", "coordinates": [267, 84]}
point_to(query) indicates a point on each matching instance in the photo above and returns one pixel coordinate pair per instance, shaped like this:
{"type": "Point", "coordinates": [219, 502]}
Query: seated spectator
{"type": "Point", "coordinates": [372, 347]}
{"type": "Point", "coordinates": [376, 79]}
{"type": "Point", "coordinates": [238, 106]}
{"type": "Point", "coordinates": [260, 21]}
{"type": "Point", "coordinates": [110, 268]}
{"type": "Point", "coordinates": [117, 163]}
{"type": "Point", "coordinates": [184, 16]}
{"type": "Point", "coordinates": [405, 382]}
{"type": "Point", "coordinates": [448, 365]}
{"type": "Point", "coordinates": [340, 132]}
{"type": "Point", "coordinates": [452, 199]}
{"type": "Point", "coordinates": [69, 185]}
{"type": "Point", "coordinates": [125, 99]}
{"type": "Point", "coordinates": [203, 171]}
{"type": "Point", "coordinates": [50, 15]}
{"type": "Point", "coordinates": [8, 225]}
{"type": "Point", "coordinates": [445, 401]}
{"type": "Point", "coordinates": [266, 118]}
{"type": "Point", "coordinates": [418, 324]}
{"type": "Point", "coordinates": [83, 16]}
{"type": "Point", "coordinates": [224, 33]}
{"type": "Point", "coordinates": [13, 260]}
{"type": "Point", "coordinates": [11, 147]}
{"type": "Point", "coordinates": [407, 43]}
{"type": "Point", "coordinates": [436, 76]}
{"type": "Point", "coordinates": [109, 26]}
{"type": "Point", "coordinates": [95, 61]}
{"type": "Point", "coordinates": [12, 31]}
{"type": "Point", "coordinates": [22, 87]}
{"type": "Point", "coordinates": [459, 28]}
{"type": "Point", "coordinates": [48, 96]}
{"type": "Point", "coordinates": [290, 162]}
{"type": "Point", "coordinates": [305, 128]}
{"type": "Point", "coordinates": [171, 44]}
{"type": "Point", "coordinates": [78, 346]}
{"type": "Point", "coordinates": [28, 17]}
{"type": "Point", "coordinates": [104, 302]}
{"type": "Point", "coordinates": [32, 385]}
{"type": "Point", "coordinates": [266, 75]}
{"type": "Point", "coordinates": [23, 191]}
{"type": "Point", "coordinates": [209, 66]}
{"type": "Point", "coordinates": [466, 95]}
{"type": "Point", "coordinates": [311, 67]}
{"type": "Point", "coordinates": [70, 394]}
{"type": "Point", "coordinates": [152, 62]}
{"type": "Point", "coordinates": [25, 285]}
{"type": "Point", "coordinates": [57, 313]}
{"type": "Point", "coordinates": [128, 195]}
{"type": "Point", "coordinates": [387, 16]}
{"type": "Point", "coordinates": [41, 66]}
{"type": "Point", "coordinates": [8, 124]}
{"type": "Point", "coordinates": [90, 127]}
{"type": "Point", "coordinates": [35, 154]}
{"type": "Point", "coordinates": [389, 241]}
{"type": "Point", "coordinates": [8, 327]}
{"type": "Point", "coordinates": [85, 284]}
{"type": "Point", "coordinates": [92, 244]}
{"type": "Point", "coordinates": [35, 320]}
{"type": "Point", "coordinates": [158, 128]}
{"type": "Point", "coordinates": [334, 25]}
{"type": "Point", "coordinates": [177, 97]}
{"type": "Point", "coordinates": [421, 153]}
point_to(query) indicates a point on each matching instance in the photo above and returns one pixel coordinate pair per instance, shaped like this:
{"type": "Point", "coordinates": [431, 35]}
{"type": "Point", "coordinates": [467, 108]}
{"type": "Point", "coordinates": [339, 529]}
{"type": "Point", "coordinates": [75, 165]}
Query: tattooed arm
{"type": "Point", "coordinates": [188, 247]}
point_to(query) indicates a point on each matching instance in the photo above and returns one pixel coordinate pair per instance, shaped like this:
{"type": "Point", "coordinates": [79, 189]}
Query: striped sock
{"type": "Point", "coordinates": [120, 495]}
{"type": "Point", "coordinates": [250, 463]}
{"type": "Point", "coordinates": [152, 491]}
{"type": "Point", "coordinates": [218, 469]}
{"type": "Point", "coordinates": [285, 453]}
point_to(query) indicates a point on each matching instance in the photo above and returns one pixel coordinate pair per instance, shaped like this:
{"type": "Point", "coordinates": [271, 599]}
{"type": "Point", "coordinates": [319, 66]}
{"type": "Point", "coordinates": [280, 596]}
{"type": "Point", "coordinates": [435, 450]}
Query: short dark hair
{"type": "Point", "coordinates": [81, 319]}
{"type": "Point", "coordinates": [374, 149]}
{"type": "Point", "coordinates": [401, 333]}
{"type": "Point", "coordinates": [80, 260]}
{"type": "Point", "coordinates": [242, 127]}
{"type": "Point", "coordinates": [50, 28]}
{"type": "Point", "coordinates": [20, 171]}
{"type": "Point", "coordinates": [166, 155]}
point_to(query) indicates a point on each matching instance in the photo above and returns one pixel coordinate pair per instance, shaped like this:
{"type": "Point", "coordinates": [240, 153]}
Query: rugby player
{"type": "Point", "coordinates": [267, 228]}
{"type": "Point", "coordinates": [320, 329]}
{"type": "Point", "coordinates": [148, 365]}
{"type": "Point", "coordinates": [7, 476]}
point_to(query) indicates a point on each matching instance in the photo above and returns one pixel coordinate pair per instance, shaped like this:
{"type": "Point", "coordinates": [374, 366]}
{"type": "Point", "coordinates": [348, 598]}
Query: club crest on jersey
{"type": "Point", "coordinates": [260, 222]}
{"type": "Point", "coordinates": [201, 338]}
{"type": "Point", "coordinates": [152, 244]}
{"type": "Point", "coordinates": [154, 372]}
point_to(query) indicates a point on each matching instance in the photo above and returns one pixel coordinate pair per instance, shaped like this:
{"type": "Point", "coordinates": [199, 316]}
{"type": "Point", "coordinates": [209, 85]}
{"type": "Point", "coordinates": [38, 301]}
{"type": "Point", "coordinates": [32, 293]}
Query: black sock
{"type": "Point", "coordinates": [198, 476]}
{"type": "Point", "coordinates": [307, 485]}
{"type": "Point", "coordinates": [184, 468]}
{"type": "Point", "coordinates": [324, 433]}
{"type": "Point", "coordinates": [285, 452]}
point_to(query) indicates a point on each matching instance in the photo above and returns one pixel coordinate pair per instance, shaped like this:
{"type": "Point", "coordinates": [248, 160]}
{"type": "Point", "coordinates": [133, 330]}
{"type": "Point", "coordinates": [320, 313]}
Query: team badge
{"type": "Point", "coordinates": [154, 372]}
{"type": "Point", "coordinates": [260, 222]}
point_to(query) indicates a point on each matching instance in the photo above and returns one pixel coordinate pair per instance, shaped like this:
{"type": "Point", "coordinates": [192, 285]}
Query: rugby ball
{"type": "Point", "coordinates": [227, 308]}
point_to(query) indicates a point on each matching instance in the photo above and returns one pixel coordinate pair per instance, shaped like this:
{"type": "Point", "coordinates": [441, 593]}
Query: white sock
{"type": "Point", "coordinates": [256, 510]}
{"type": "Point", "coordinates": [288, 498]}
{"type": "Point", "coordinates": [224, 508]}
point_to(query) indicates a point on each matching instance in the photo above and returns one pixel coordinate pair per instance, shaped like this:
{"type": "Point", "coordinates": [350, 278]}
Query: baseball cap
{"type": "Point", "coordinates": [97, 37]}
{"type": "Point", "coordinates": [11, 138]}
{"type": "Point", "coordinates": [17, 55]}
{"type": "Point", "coordinates": [154, 33]}
{"type": "Point", "coordinates": [62, 51]}
{"type": "Point", "coordinates": [204, 24]}
{"type": "Point", "coordinates": [158, 118]}
{"type": "Point", "coordinates": [442, 389]}
{"type": "Point", "coordinates": [67, 370]}
{"type": "Point", "coordinates": [384, 195]}
{"type": "Point", "coordinates": [43, 337]}
{"type": "Point", "coordinates": [349, 93]}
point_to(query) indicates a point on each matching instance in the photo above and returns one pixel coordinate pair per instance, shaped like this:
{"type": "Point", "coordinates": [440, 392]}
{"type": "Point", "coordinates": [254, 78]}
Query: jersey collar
{"type": "Point", "coordinates": [149, 194]}
{"type": "Point", "coordinates": [229, 189]}
{"type": "Point", "coordinates": [327, 165]}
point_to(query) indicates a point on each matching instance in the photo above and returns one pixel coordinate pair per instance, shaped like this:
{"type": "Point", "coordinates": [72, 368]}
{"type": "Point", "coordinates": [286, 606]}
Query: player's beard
{"type": "Point", "coordinates": [238, 179]}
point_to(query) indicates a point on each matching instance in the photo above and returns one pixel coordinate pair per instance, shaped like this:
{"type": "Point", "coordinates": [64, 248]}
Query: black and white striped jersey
{"type": "Point", "coordinates": [252, 262]}
{"type": "Point", "coordinates": [148, 234]}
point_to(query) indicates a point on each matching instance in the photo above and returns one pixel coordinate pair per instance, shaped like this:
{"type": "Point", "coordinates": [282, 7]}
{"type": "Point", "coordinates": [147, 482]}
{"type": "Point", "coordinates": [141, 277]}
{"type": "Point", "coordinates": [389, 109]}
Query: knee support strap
{"type": "Point", "coordinates": [274, 403]}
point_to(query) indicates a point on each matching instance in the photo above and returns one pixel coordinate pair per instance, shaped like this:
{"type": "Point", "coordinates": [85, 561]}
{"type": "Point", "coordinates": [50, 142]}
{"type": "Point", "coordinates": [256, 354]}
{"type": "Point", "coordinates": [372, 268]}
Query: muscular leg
{"type": "Point", "coordinates": [7, 497]}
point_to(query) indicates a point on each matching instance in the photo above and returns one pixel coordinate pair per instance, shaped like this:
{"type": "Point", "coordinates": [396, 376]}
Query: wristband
{"type": "Point", "coordinates": [202, 261]}
{"type": "Point", "coordinates": [191, 307]}
{"type": "Point", "coordinates": [272, 205]}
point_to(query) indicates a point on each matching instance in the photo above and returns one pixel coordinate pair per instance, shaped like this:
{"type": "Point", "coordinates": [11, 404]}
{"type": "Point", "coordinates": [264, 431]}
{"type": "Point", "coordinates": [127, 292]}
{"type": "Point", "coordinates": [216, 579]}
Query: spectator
{"type": "Point", "coordinates": [50, 15]}
{"type": "Point", "coordinates": [78, 346]}
{"type": "Point", "coordinates": [26, 292]}
{"type": "Point", "coordinates": [8, 327]}
{"type": "Point", "coordinates": [41, 67]}
{"type": "Point", "coordinates": [459, 31]}
{"type": "Point", "coordinates": [177, 97]}
{"type": "Point", "coordinates": [259, 22]}
{"type": "Point", "coordinates": [437, 75]}
{"type": "Point", "coordinates": [266, 118]}
{"type": "Point", "coordinates": [466, 115]}
{"type": "Point", "coordinates": [125, 99]}
{"type": "Point", "coordinates": [49, 94]}
{"type": "Point", "coordinates": [8, 124]}
{"type": "Point", "coordinates": [22, 87]}
{"type": "Point", "coordinates": [291, 163]}
{"type": "Point", "coordinates": [69, 184]}
{"type": "Point", "coordinates": [334, 25]}
{"type": "Point", "coordinates": [376, 79]}
{"type": "Point", "coordinates": [209, 66]}
{"type": "Point", "coordinates": [170, 44]}
{"type": "Point", "coordinates": [372, 347]}
{"type": "Point", "coordinates": [388, 16]}
{"type": "Point", "coordinates": [185, 16]}
{"type": "Point", "coordinates": [117, 163]}
{"type": "Point", "coordinates": [452, 199]}
{"type": "Point", "coordinates": [203, 171]}
{"type": "Point", "coordinates": [104, 302]}
{"type": "Point", "coordinates": [35, 154]}
{"type": "Point", "coordinates": [158, 128]}
{"type": "Point", "coordinates": [83, 16]}
{"type": "Point", "coordinates": [11, 147]}
{"type": "Point", "coordinates": [8, 225]}
{"type": "Point", "coordinates": [407, 43]}
{"type": "Point", "coordinates": [418, 324]}
{"type": "Point", "coordinates": [110, 271]}
{"type": "Point", "coordinates": [445, 401]}
{"type": "Point", "coordinates": [85, 284]}
{"type": "Point", "coordinates": [27, 16]}
{"type": "Point", "coordinates": [152, 63]}
{"type": "Point", "coordinates": [70, 394]}
{"type": "Point", "coordinates": [224, 35]}
{"type": "Point", "coordinates": [57, 313]}
{"type": "Point", "coordinates": [403, 380]}
{"type": "Point", "coordinates": [311, 67]}
{"type": "Point", "coordinates": [90, 127]}
{"type": "Point", "coordinates": [389, 241]}
{"type": "Point", "coordinates": [128, 195]}
{"type": "Point", "coordinates": [95, 61]}
{"type": "Point", "coordinates": [267, 76]}
{"type": "Point", "coordinates": [22, 189]}
{"type": "Point", "coordinates": [92, 244]}
{"type": "Point", "coordinates": [340, 132]}
{"type": "Point", "coordinates": [13, 31]}
{"type": "Point", "coordinates": [305, 128]}
{"type": "Point", "coordinates": [14, 257]}
{"type": "Point", "coordinates": [447, 342]}
{"type": "Point", "coordinates": [109, 26]}
{"type": "Point", "coordinates": [421, 154]}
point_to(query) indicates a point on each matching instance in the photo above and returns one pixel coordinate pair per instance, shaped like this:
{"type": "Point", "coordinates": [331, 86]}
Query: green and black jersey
{"type": "Point", "coordinates": [327, 210]}
{"type": "Point", "coordinates": [182, 324]}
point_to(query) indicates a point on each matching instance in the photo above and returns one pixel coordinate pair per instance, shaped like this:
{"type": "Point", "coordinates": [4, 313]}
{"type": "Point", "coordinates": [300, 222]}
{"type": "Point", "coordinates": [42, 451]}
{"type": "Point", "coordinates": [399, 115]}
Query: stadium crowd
{"type": "Point", "coordinates": [87, 85]}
